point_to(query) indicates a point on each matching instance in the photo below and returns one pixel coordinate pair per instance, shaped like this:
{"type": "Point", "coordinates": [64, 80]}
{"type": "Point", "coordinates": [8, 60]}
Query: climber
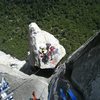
{"type": "Point", "coordinates": [34, 96]}
{"type": "Point", "coordinates": [48, 46]}
{"type": "Point", "coordinates": [43, 54]}
{"type": "Point", "coordinates": [51, 52]}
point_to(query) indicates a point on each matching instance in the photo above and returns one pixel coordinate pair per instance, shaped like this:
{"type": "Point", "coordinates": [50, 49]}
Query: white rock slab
{"type": "Point", "coordinates": [45, 49]}
{"type": "Point", "coordinates": [8, 60]}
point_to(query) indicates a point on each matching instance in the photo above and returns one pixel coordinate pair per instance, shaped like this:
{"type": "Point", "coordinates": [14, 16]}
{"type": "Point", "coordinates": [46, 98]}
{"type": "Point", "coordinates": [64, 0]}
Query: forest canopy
{"type": "Point", "coordinates": [71, 21]}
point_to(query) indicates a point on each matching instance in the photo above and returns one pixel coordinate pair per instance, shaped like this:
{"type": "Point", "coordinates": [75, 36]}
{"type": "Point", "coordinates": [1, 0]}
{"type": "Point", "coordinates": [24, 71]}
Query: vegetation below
{"type": "Point", "coordinates": [71, 21]}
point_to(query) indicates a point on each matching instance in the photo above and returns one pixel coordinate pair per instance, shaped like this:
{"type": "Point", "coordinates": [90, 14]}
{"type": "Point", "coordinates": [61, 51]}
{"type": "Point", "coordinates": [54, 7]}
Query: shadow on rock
{"type": "Point", "coordinates": [29, 70]}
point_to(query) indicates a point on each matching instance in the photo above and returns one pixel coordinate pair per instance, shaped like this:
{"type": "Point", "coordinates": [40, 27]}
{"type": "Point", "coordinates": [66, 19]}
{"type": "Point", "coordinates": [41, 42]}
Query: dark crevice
{"type": "Point", "coordinates": [27, 69]}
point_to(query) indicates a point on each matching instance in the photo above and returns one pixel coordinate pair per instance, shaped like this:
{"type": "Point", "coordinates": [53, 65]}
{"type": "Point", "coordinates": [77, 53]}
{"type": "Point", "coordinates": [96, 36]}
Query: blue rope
{"type": "Point", "coordinates": [72, 96]}
{"type": "Point", "coordinates": [62, 94]}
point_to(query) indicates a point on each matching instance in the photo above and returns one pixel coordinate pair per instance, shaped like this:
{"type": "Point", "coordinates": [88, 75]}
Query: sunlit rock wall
{"type": "Point", "coordinates": [8, 60]}
{"type": "Point", "coordinates": [45, 50]}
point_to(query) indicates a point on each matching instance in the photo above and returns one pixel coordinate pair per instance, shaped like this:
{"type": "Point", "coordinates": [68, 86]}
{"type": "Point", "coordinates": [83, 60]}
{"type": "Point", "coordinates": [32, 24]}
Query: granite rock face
{"type": "Point", "coordinates": [86, 68]}
{"type": "Point", "coordinates": [81, 71]}
{"type": "Point", "coordinates": [45, 50]}
{"type": "Point", "coordinates": [86, 74]}
{"type": "Point", "coordinates": [22, 88]}
{"type": "Point", "coordinates": [8, 60]}
{"type": "Point", "coordinates": [22, 85]}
